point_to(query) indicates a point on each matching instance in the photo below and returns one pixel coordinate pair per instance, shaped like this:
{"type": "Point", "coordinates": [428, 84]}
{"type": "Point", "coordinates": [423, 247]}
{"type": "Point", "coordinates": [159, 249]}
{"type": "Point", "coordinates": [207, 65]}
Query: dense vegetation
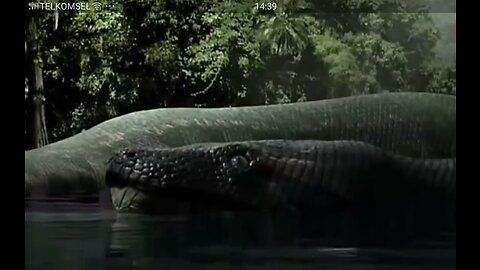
{"type": "Point", "coordinates": [148, 54]}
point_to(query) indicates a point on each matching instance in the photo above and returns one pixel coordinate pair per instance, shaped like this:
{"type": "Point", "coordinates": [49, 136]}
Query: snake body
{"type": "Point", "coordinates": [300, 175]}
{"type": "Point", "coordinates": [415, 125]}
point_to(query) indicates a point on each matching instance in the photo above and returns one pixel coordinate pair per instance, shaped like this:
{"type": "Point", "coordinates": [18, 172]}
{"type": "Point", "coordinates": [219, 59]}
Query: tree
{"type": "Point", "coordinates": [36, 128]}
{"type": "Point", "coordinates": [185, 53]}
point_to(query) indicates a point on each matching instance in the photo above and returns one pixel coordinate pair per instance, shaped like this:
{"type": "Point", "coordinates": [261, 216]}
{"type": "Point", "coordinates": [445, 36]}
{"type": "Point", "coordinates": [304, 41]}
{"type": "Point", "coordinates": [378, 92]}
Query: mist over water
{"type": "Point", "coordinates": [446, 47]}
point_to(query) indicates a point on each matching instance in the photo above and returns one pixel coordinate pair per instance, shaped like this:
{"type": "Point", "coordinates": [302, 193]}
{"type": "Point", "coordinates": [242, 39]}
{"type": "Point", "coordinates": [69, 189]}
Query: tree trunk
{"type": "Point", "coordinates": [36, 129]}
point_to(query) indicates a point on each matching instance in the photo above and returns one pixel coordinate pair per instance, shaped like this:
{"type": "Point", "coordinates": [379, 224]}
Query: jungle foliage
{"type": "Point", "coordinates": [167, 53]}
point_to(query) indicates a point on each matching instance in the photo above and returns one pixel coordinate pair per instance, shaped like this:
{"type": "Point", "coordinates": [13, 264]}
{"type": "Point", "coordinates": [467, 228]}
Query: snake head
{"type": "Point", "coordinates": [224, 170]}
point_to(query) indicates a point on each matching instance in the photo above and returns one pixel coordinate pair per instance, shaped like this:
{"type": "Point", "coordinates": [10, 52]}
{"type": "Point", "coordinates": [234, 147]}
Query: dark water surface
{"type": "Point", "coordinates": [86, 236]}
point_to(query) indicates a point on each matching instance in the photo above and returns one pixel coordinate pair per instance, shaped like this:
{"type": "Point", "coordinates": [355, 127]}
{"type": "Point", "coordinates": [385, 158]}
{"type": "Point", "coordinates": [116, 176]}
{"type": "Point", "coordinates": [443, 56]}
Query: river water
{"type": "Point", "coordinates": [88, 236]}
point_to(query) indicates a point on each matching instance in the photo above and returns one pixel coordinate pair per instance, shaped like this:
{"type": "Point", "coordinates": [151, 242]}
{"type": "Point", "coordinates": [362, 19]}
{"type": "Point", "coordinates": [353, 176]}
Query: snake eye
{"type": "Point", "coordinates": [239, 162]}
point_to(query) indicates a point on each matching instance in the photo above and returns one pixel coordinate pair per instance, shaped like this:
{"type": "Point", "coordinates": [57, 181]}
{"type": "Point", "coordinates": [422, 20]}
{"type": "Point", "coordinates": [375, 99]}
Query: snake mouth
{"type": "Point", "coordinates": [125, 198]}
{"type": "Point", "coordinates": [173, 201]}
{"type": "Point", "coordinates": [128, 199]}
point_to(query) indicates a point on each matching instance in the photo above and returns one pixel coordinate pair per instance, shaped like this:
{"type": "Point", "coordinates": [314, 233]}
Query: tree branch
{"type": "Point", "coordinates": [206, 88]}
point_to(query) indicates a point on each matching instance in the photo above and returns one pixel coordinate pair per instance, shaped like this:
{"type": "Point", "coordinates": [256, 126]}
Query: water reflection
{"type": "Point", "coordinates": [92, 238]}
